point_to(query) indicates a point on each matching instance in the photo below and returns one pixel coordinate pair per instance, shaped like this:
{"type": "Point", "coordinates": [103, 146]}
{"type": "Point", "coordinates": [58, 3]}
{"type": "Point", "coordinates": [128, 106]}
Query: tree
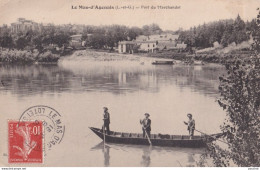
{"type": "Point", "coordinates": [151, 29]}
{"type": "Point", "coordinates": [37, 41]}
{"type": "Point", "coordinates": [256, 34]}
{"type": "Point", "coordinates": [21, 43]}
{"type": "Point", "coordinates": [7, 41]}
{"type": "Point", "coordinates": [239, 31]}
{"type": "Point", "coordinates": [96, 41]}
{"type": "Point", "coordinates": [60, 38]}
{"type": "Point", "coordinates": [240, 98]}
{"type": "Point", "coordinates": [134, 32]}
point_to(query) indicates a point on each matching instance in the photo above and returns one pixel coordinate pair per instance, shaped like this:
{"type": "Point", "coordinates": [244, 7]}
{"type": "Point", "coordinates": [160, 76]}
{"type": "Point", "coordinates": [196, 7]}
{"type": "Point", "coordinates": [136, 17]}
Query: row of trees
{"type": "Point", "coordinates": [108, 36]}
{"type": "Point", "coordinates": [34, 39]}
{"type": "Point", "coordinates": [95, 36]}
{"type": "Point", "coordinates": [224, 32]}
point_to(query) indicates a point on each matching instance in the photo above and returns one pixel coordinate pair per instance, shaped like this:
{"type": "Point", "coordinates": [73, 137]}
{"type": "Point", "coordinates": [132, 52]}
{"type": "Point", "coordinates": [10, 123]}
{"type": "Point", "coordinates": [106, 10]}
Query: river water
{"type": "Point", "coordinates": [78, 88]}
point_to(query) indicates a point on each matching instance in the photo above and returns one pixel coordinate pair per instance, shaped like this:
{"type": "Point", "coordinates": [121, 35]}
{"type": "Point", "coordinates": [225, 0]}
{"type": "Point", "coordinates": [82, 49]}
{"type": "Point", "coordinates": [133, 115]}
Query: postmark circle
{"type": "Point", "coordinates": [54, 127]}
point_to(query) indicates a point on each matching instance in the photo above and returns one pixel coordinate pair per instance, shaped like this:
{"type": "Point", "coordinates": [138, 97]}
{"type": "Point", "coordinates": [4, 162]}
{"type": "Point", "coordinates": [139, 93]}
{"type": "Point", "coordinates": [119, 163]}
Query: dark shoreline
{"type": "Point", "coordinates": [49, 57]}
{"type": "Point", "coordinates": [217, 58]}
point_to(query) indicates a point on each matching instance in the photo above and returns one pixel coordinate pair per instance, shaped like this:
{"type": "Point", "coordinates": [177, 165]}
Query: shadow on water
{"type": "Point", "coordinates": [146, 153]}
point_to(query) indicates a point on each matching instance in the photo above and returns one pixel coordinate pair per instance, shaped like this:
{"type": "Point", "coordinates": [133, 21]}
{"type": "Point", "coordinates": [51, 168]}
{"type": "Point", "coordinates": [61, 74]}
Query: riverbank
{"type": "Point", "coordinates": [96, 55]}
{"type": "Point", "coordinates": [219, 58]}
{"type": "Point", "coordinates": [29, 57]}
{"type": "Point", "coordinates": [185, 58]}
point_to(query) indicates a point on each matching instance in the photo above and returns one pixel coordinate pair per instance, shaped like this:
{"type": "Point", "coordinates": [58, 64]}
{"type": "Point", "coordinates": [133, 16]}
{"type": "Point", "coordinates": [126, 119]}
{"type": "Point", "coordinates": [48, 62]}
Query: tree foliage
{"type": "Point", "coordinates": [6, 40]}
{"type": "Point", "coordinates": [240, 98]}
{"type": "Point", "coordinates": [224, 32]}
{"type": "Point", "coordinates": [97, 37]}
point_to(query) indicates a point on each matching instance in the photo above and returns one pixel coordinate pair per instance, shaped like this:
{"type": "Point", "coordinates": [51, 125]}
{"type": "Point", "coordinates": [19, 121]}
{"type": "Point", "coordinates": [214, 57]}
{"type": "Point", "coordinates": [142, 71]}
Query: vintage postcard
{"type": "Point", "coordinates": [129, 83]}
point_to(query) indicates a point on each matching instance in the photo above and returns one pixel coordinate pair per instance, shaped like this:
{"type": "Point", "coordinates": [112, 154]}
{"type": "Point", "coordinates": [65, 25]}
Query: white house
{"type": "Point", "coordinates": [126, 47]}
{"type": "Point", "coordinates": [147, 46]}
{"type": "Point", "coordinates": [76, 41]}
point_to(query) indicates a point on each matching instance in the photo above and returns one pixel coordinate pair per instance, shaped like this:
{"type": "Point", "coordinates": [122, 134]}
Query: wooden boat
{"type": "Point", "coordinates": [163, 63]}
{"type": "Point", "coordinates": [156, 140]}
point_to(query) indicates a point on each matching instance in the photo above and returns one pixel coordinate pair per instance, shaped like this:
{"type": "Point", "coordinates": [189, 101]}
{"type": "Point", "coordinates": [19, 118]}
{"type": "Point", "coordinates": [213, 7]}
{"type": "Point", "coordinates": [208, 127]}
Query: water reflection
{"type": "Point", "coordinates": [146, 159]}
{"type": "Point", "coordinates": [105, 150]}
{"type": "Point", "coordinates": [80, 89]}
{"type": "Point", "coordinates": [106, 155]}
{"type": "Point", "coordinates": [50, 79]}
{"type": "Point", "coordinates": [144, 154]}
{"type": "Point", "coordinates": [190, 159]}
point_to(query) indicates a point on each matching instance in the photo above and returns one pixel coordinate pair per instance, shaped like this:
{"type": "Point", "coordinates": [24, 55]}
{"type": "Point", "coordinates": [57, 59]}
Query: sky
{"type": "Point", "coordinates": [191, 12]}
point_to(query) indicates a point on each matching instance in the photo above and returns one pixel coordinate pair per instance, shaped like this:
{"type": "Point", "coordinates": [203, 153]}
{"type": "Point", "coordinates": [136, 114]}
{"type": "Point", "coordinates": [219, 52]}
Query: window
{"type": "Point", "coordinates": [148, 45]}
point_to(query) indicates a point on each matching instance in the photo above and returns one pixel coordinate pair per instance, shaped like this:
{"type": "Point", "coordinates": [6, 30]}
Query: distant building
{"type": "Point", "coordinates": [181, 46]}
{"type": "Point", "coordinates": [143, 46]}
{"type": "Point", "coordinates": [167, 45]}
{"type": "Point", "coordinates": [126, 47]}
{"type": "Point", "coordinates": [152, 43]}
{"type": "Point", "coordinates": [158, 37]}
{"type": "Point", "coordinates": [47, 26]}
{"type": "Point", "coordinates": [147, 46]}
{"type": "Point", "coordinates": [163, 41]}
{"type": "Point", "coordinates": [23, 25]}
{"type": "Point", "coordinates": [76, 41]}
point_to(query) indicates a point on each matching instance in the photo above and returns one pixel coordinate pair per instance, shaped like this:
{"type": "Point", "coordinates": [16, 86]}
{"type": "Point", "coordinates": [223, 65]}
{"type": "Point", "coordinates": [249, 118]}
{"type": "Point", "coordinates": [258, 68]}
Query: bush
{"type": "Point", "coordinates": [16, 56]}
{"type": "Point", "coordinates": [26, 57]}
{"type": "Point", "coordinates": [48, 57]}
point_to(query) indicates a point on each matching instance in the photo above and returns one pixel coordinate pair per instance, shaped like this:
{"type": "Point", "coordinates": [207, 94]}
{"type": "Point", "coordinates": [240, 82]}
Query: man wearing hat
{"type": "Point", "coordinates": [146, 122]}
{"type": "Point", "coordinates": [106, 118]}
{"type": "Point", "coordinates": [191, 125]}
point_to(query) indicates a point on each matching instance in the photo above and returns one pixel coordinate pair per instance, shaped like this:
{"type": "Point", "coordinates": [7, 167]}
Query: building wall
{"type": "Point", "coordinates": [23, 25]}
{"type": "Point", "coordinates": [76, 41]}
{"type": "Point", "coordinates": [121, 48]}
{"type": "Point", "coordinates": [125, 48]}
{"type": "Point", "coordinates": [148, 46]}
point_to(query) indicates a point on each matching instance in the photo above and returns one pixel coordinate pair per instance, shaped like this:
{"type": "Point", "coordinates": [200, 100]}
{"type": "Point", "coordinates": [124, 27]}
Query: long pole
{"type": "Point", "coordinates": [147, 135]}
{"type": "Point", "coordinates": [104, 134]}
{"type": "Point", "coordinates": [209, 135]}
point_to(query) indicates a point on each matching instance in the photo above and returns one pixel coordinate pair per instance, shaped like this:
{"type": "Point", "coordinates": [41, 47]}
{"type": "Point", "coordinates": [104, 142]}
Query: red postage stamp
{"type": "Point", "coordinates": [25, 140]}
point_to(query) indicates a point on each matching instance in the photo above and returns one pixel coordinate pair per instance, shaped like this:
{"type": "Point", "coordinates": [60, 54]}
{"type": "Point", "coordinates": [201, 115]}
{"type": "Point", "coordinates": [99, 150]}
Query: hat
{"type": "Point", "coordinates": [147, 114]}
{"type": "Point", "coordinates": [105, 108]}
{"type": "Point", "coordinates": [189, 115]}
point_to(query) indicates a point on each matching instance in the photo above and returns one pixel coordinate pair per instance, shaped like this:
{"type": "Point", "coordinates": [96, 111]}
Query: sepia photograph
{"type": "Point", "coordinates": [129, 83]}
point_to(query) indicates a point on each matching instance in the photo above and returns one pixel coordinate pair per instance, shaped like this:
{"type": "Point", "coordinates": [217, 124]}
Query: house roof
{"type": "Point", "coordinates": [164, 37]}
{"type": "Point", "coordinates": [167, 45]}
{"type": "Point", "coordinates": [142, 38]}
{"type": "Point", "coordinates": [78, 35]}
{"type": "Point", "coordinates": [127, 42]}
{"type": "Point", "coordinates": [145, 42]}
{"type": "Point", "coordinates": [182, 45]}
{"type": "Point", "coordinates": [158, 37]}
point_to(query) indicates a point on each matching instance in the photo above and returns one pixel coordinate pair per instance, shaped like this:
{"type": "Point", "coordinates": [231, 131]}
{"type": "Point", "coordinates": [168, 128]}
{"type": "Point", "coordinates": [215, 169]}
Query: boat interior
{"type": "Point", "coordinates": [153, 136]}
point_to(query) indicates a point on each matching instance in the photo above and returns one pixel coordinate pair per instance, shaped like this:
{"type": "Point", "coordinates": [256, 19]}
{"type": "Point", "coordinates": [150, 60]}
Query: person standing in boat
{"type": "Point", "coordinates": [146, 123]}
{"type": "Point", "coordinates": [191, 125]}
{"type": "Point", "coordinates": [106, 118]}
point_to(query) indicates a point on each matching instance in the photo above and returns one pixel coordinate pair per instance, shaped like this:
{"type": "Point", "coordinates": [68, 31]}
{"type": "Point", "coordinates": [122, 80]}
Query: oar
{"type": "Point", "coordinates": [208, 135]}
{"type": "Point", "coordinates": [147, 135]}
